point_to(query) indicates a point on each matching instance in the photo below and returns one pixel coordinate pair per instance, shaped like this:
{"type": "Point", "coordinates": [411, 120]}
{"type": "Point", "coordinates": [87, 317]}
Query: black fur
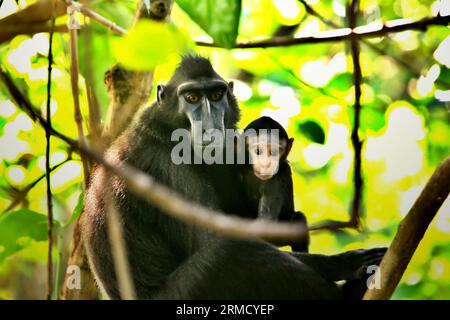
{"type": "Point", "coordinates": [173, 260]}
{"type": "Point", "coordinates": [277, 193]}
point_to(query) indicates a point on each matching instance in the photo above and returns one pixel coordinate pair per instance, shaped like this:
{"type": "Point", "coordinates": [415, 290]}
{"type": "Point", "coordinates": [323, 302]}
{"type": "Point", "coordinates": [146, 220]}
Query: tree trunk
{"type": "Point", "coordinates": [128, 90]}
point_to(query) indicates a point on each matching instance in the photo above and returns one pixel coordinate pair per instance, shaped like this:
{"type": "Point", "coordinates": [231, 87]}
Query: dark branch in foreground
{"type": "Point", "coordinates": [166, 199]}
{"type": "Point", "coordinates": [410, 232]}
{"type": "Point", "coordinates": [356, 142]}
{"type": "Point", "coordinates": [343, 34]}
{"type": "Point", "coordinates": [47, 164]}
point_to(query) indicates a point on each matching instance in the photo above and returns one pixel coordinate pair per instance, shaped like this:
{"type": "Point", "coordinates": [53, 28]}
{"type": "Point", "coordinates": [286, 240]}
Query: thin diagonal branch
{"type": "Point", "coordinates": [410, 232]}
{"type": "Point", "coordinates": [310, 10]}
{"type": "Point", "coordinates": [21, 195]}
{"type": "Point", "coordinates": [168, 200]}
{"type": "Point", "coordinates": [97, 17]}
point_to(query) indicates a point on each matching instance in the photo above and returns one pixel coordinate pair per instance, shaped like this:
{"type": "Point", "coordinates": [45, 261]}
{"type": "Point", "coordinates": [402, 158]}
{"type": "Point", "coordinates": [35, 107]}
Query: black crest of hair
{"type": "Point", "coordinates": [268, 123]}
{"type": "Point", "coordinates": [194, 67]}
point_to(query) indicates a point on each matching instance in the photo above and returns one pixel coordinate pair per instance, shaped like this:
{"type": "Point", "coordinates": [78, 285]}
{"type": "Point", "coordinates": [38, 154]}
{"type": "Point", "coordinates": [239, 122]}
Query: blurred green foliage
{"type": "Point", "coordinates": [405, 121]}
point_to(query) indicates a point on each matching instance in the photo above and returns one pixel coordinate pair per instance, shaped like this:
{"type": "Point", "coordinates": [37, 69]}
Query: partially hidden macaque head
{"type": "Point", "coordinates": [268, 145]}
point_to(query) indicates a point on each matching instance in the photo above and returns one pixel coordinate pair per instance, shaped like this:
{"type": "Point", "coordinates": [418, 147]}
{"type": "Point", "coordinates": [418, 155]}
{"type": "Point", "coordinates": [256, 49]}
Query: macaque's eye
{"type": "Point", "coordinates": [192, 97]}
{"type": "Point", "coordinates": [216, 95]}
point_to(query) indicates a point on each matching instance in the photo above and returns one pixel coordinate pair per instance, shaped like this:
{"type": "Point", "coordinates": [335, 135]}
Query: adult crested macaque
{"type": "Point", "coordinates": [170, 259]}
{"type": "Point", "coordinates": [268, 177]}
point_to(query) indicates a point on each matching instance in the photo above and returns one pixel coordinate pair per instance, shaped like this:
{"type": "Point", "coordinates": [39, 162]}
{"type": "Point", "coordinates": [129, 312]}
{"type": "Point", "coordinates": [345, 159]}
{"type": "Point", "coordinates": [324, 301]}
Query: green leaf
{"type": "Point", "coordinates": [341, 82]}
{"type": "Point", "coordinates": [18, 230]}
{"type": "Point", "coordinates": [77, 211]}
{"type": "Point", "coordinates": [148, 44]}
{"type": "Point", "coordinates": [313, 131]}
{"type": "Point", "coordinates": [219, 18]}
{"type": "Point", "coordinates": [372, 119]}
{"type": "Point", "coordinates": [101, 59]}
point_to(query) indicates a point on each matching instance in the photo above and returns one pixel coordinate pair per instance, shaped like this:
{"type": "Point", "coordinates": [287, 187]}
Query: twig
{"type": "Point", "coordinates": [47, 165]}
{"type": "Point", "coordinates": [298, 79]}
{"type": "Point", "coordinates": [332, 225]}
{"type": "Point", "coordinates": [94, 108]}
{"type": "Point", "coordinates": [406, 65]}
{"type": "Point", "coordinates": [354, 220]}
{"type": "Point", "coordinates": [168, 200]}
{"type": "Point", "coordinates": [410, 232]}
{"type": "Point", "coordinates": [74, 73]}
{"type": "Point", "coordinates": [341, 34]}
{"type": "Point", "coordinates": [23, 193]}
{"type": "Point", "coordinates": [310, 10]}
{"type": "Point", "coordinates": [357, 144]}
{"type": "Point", "coordinates": [119, 252]}
{"type": "Point", "coordinates": [97, 17]}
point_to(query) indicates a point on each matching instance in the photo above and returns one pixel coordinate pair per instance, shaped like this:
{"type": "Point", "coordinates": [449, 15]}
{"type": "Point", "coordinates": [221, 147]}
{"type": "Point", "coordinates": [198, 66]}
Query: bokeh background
{"type": "Point", "coordinates": [405, 120]}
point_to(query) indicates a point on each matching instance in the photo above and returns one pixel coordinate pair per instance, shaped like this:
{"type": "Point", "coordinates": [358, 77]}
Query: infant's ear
{"type": "Point", "coordinates": [289, 146]}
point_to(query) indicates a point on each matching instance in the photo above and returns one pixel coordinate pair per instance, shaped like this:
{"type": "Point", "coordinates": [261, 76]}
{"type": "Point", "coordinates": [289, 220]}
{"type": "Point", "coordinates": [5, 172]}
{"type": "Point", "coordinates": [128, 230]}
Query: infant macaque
{"type": "Point", "coordinates": [268, 177]}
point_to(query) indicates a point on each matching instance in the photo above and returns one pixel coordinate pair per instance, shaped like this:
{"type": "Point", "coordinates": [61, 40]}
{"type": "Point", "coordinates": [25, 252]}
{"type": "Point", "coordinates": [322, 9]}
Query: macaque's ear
{"type": "Point", "coordinates": [289, 146]}
{"type": "Point", "coordinates": [231, 86]}
{"type": "Point", "coordinates": [161, 93]}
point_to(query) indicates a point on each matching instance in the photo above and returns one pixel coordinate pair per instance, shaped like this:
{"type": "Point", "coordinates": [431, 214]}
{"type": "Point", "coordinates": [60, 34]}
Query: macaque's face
{"type": "Point", "coordinates": [265, 155]}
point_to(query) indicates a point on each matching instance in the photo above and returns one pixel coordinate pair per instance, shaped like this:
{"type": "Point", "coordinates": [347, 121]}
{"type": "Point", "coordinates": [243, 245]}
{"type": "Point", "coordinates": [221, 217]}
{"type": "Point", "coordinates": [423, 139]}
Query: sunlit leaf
{"type": "Point", "coordinates": [313, 131]}
{"type": "Point", "coordinates": [219, 18]}
{"type": "Point", "coordinates": [148, 44]}
{"type": "Point", "coordinates": [372, 119]}
{"type": "Point", "coordinates": [100, 59]}
{"type": "Point", "coordinates": [341, 82]}
{"type": "Point", "coordinates": [19, 228]}
{"type": "Point", "coordinates": [77, 211]}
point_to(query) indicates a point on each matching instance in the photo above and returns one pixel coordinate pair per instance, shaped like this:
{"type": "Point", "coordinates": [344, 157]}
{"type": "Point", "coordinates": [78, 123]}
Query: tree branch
{"type": "Point", "coordinates": [118, 247]}
{"type": "Point", "coordinates": [410, 232]}
{"type": "Point", "coordinates": [21, 195]}
{"type": "Point", "coordinates": [406, 65]}
{"type": "Point", "coordinates": [342, 34]}
{"type": "Point", "coordinates": [356, 142]}
{"type": "Point", "coordinates": [47, 164]}
{"type": "Point", "coordinates": [169, 201]}
{"type": "Point", "coordinates": [74, 74]}
{"type": "Point", "coordinates": [97, 17]}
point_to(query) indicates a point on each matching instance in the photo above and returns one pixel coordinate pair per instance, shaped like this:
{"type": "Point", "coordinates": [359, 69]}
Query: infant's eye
{"type": "Point", "coordinates": [191, 97]}
{"type": "Point", "coordinates": [216, 96]}
{"type": "Point", "coordinates": [258, 151]}
{"type": "Point", "coordinates": [274, 152]}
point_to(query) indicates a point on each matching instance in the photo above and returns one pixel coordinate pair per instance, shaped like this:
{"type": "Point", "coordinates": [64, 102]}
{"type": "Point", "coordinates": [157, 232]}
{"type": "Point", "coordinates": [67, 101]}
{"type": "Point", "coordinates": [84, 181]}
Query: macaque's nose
{"type": "Point", "coordinates": [207, 118]}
